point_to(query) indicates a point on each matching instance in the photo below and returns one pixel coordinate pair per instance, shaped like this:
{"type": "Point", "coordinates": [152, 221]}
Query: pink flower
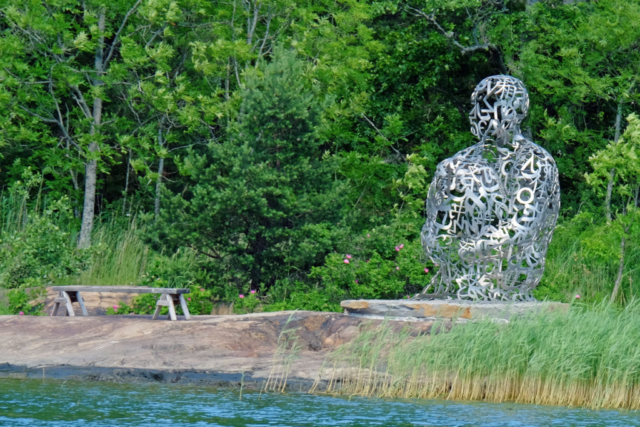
{"type": "Point", "coordinates": [115, 307]}
{"type": "Point", "coordinates": [346, 261]}
{"type": "Point", "coordinates": [368, 235]}
{"type": "Point", "coordinates": [402, 246]}
{"type": "Point", "coordinates": [241, 296]}
{"type": "Point", "coordinates": [253, 291]}
{"type": "Point", "coordinates": [201, 289]}
{"type": "Point", "coordinates": [356, 280]}
{"type": "Point", "coordinates": [348, 256]}
{"type": "Point", "coordinates": [368, 260]}
{"type": "Point", "coordinates": [397, 249]}
{"type": "Point", "coordinates": [397, 268]}
{"type": "Point", "coordinates": [407, 297]}
{"type": "Point", "coordinates": [426, 270]}
{"type": "Point", "coordinates": [577, 296]}
{"type": "Point", "coordinates": [21, 313]}
{"type": "Point", "coordinates": [189, 299]}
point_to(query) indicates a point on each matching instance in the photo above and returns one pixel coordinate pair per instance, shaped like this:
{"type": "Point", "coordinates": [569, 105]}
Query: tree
{"type": "Point", "coordinates": [580, 63]}
{"type": "Point", "coordinates": [623, 156]}
{"type": "Point", "coordinates": [263, 204]}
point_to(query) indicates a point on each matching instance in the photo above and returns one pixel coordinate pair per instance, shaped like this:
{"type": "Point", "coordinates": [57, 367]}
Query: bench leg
{"type": "Point", "coordinates": [185, 309]}
{"type": "Point", "coordinates": [81, 302]}
{"type": "Point", "coordinates": [70, 311]}
{"type": "Point", "coordinates": [172, 308]}
{"type": "Point", "coordinates": [56, 303]}
{"type": "Point", "coordinates": [56, 306]}
{"type": "Point", "coordinates": [159, 305]}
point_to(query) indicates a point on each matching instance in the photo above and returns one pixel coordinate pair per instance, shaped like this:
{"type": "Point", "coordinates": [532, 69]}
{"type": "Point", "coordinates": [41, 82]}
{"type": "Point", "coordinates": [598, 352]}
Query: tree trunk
{"type": "Point", "coordinates": [612, 172]}
{"type": "Point", "coordinates": [126, 184]}
{"type": "Point", "coordinates": [607, 200]}
{"type": "Point", "coordinates": [616, 288]}
{"type": "Point", "coordinates": [160, 171]}
{"type": "Point", "coordinates": [91, 167]}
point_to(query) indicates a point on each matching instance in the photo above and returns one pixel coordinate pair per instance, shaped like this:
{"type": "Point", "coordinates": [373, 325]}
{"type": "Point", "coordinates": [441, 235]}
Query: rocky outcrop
{"type": "Point", "coordinates": [451, 310]}
{"type": "Point", "coordinates": [209, 349]}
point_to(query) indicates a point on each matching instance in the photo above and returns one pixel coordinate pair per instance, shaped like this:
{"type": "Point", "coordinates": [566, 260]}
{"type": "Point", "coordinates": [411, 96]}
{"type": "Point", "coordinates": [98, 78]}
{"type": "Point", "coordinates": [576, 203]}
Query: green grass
{"type": "Point", "coordinates": [120, 256]}
{"type": "Point", "coordinates": [585, 357]}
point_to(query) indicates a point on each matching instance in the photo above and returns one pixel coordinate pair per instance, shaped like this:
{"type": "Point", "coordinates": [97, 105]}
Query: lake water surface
{"type": "Point", "coordinates": [68, 403]}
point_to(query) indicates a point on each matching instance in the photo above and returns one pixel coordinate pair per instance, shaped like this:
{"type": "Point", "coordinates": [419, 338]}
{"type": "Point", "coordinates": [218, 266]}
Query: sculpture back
{"type": "Point", "coordinates": [492, 208]}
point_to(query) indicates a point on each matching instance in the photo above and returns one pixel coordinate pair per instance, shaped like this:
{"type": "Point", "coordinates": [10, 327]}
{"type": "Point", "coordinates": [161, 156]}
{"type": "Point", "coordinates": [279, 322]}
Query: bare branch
{"type": "Point", "coordinates": [382, 135]}
{"type": "Point", "coordinates": [266, 36]}
{"type": "Point", "coordinates": [116, 38]}
{"type": "Point", "coordinates": [153, 37]}
{"type": "Point", "coordinates": [34, 114]}
{"type": "Point", "coordinates": [451, 36]}
{"type": "Point", "coordinates": [251, 27]}
{"type": "Point", "coordinates": [79, 98]}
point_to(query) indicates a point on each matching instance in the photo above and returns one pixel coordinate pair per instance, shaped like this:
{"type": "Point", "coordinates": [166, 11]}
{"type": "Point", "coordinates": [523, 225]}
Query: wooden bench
{"type": "Point", "coordinates": [170, 298]}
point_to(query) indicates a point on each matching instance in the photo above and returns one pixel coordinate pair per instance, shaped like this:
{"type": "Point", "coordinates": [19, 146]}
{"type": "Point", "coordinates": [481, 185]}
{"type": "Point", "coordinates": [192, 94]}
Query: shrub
{"type": "Point", "coordinates": [199, 301]}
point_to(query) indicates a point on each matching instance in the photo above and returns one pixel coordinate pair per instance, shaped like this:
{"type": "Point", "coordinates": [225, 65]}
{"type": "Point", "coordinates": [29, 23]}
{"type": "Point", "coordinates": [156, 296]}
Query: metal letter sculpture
{"type": "Point", "coordinates": [492, 207]}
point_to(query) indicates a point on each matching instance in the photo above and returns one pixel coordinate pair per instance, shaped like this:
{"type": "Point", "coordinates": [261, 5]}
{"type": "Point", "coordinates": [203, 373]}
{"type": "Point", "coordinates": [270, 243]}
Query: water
{"type": "Point", "coordinates": [58, 403]}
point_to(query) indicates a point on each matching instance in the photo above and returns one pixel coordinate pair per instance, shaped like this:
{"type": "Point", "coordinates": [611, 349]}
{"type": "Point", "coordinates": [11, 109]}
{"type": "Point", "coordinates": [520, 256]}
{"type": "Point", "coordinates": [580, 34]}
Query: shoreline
{"type": "Point", "coordinates": [145, 376]}
{"type": "Point", "coordinates": [229, 350]}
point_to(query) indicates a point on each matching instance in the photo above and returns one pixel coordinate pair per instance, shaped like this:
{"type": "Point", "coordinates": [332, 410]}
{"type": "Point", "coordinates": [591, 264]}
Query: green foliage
{"type": "Point", "coordinates": [246, 303]}
{"type": "Point", "coordinates": [623, 156]}
{"type": "Point", "coordinates": [583, 259]}
{"type": "Point", "coordinates": [34, 249]}
{"type": "Point", "coordinates": [262, 205]}
{"type": "Point", "coordinates": [389, 275]}
{"type": "Point", "coordinates": [20, 301]}
{"type": "Point", "coordinates": [199, 301]}
{"type": "Point", "coordinates": [301, 296]}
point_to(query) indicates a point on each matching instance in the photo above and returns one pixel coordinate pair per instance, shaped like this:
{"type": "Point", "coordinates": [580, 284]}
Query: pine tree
{"type": "Point", "coordinates": [262, 205]}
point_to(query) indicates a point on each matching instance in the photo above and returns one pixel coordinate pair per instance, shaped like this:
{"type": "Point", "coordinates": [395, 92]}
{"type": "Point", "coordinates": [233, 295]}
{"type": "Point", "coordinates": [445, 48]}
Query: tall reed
{"type": "Point", "coordinates": [584, 357]}
{"type": "Point", "coordinates": [120, 256]}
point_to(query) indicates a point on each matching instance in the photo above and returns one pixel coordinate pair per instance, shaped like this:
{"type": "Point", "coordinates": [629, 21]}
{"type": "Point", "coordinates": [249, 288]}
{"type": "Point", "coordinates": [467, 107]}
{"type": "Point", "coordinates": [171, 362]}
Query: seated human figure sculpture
{"type": "Point", "coordinates": [492, 208]}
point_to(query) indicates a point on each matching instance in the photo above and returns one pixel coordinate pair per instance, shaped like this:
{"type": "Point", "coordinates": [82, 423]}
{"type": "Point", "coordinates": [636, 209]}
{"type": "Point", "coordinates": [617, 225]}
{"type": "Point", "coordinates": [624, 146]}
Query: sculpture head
{"type": "Point", "coordinates": [500, 104]}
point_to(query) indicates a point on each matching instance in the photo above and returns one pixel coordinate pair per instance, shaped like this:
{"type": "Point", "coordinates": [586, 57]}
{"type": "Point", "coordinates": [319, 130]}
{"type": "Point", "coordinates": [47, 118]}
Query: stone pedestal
{"type": "Point", "coordinates": [455, 310]}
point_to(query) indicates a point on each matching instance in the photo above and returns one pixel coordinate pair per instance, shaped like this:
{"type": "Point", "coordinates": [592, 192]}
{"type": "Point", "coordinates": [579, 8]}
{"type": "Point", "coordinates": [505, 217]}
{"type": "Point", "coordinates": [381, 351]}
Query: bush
{"type": "Point", "coordinates": [34, 248]}
{"type": "Point", "coordinates": [385, 263]}
{"type": "Point", "coordinates": [20, 301]}
{"type": "Point", "coordinates": [199, 301]}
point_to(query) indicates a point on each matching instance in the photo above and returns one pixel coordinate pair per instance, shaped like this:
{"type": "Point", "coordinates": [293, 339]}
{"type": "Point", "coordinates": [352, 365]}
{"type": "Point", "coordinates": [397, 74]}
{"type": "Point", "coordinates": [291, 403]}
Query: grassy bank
{"type": "Point", "coordinates": [585, 357]}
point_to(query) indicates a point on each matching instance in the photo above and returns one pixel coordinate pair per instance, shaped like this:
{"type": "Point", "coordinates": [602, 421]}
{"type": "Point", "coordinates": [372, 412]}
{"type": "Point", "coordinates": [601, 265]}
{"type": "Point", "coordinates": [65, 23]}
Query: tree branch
{"type": "Point", "coordinates": [382, 135]}
{"type": "Point", "coordinates": [79, 98]}
{"type": "Point", "coordinates": [451, 36]}
{"type": "Point", "coordinates": [116, 38]}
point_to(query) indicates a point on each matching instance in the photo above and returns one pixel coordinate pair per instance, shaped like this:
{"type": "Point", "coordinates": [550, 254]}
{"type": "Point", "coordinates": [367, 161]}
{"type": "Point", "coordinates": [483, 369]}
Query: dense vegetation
{"type": "Point", "coordinates": [286, 147]}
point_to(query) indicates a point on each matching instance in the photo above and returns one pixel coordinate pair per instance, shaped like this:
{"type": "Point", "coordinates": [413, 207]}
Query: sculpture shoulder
{"type": "Point", "coordinates": [531, 157]}
{"type": "Point", "coordinates": [462, 157]}
{"type": "Point", "coordinates": [531, 149]}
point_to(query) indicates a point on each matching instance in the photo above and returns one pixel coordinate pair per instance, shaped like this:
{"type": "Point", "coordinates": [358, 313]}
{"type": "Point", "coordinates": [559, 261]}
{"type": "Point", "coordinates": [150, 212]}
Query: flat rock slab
{"type": "Point", "coordinates": [457, 310]}
{"type": "Point", "coordinates": [213, 349]}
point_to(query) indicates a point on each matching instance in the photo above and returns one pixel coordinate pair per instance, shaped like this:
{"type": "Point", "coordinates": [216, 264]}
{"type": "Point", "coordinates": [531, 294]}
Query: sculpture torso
{"type": "Point", "coordinates": [490, 217]}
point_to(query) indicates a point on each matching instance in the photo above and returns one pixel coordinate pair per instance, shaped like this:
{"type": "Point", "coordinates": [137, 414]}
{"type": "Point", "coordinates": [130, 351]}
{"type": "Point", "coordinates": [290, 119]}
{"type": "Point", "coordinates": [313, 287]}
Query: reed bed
{"type": "Point", "coordinates": [287, 351]}
{"type": "Point", "coordinates": [584, 357]}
